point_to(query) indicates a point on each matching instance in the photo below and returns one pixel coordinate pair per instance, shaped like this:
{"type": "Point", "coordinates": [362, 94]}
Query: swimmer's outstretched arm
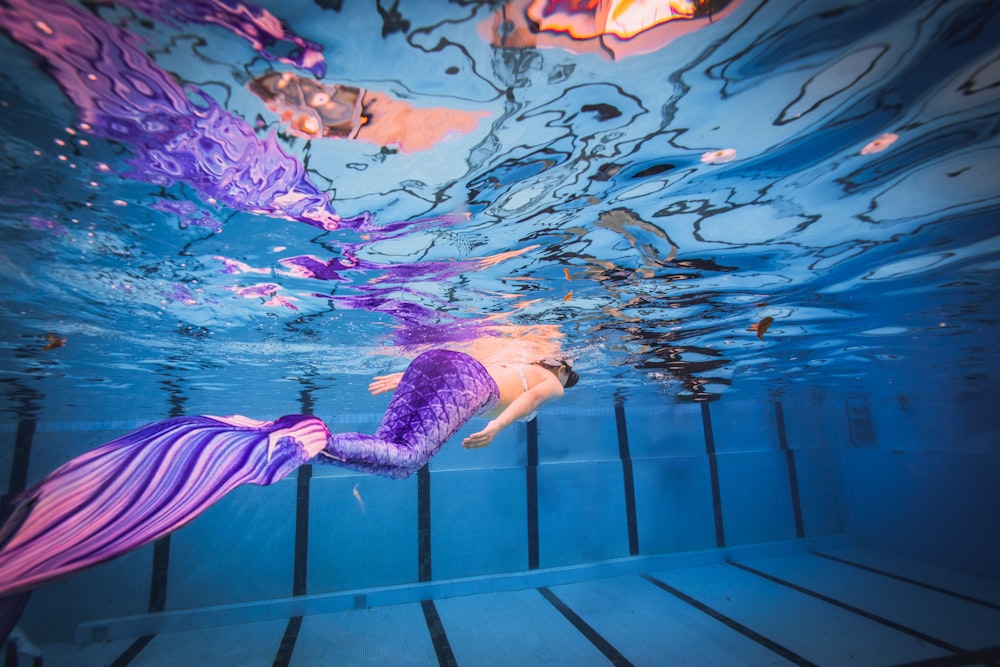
{"type": "Point", "coordinates": [519, 408]}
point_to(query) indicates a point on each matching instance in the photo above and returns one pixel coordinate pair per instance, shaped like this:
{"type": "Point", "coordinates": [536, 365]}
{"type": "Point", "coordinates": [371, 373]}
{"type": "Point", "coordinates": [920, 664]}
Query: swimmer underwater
{"type": "Point", "coordinates": [150, 482]}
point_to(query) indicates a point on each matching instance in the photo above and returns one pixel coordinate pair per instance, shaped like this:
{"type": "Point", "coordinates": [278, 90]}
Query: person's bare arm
{"type": "Point", "coordinates": [383, 383]}
{"type": "Point", "coordinates": [519, 408]}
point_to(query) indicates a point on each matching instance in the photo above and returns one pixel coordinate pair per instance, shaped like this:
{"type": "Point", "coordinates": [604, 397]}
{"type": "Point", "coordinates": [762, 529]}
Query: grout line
{"type": "Point", "coordinates": [595, 638]}
{"type": "Point", "coordinates": [769, 644]}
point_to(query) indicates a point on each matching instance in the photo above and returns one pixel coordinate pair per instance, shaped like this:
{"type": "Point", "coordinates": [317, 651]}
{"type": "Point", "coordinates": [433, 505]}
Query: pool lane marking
{"type": "Point", "coordinates": [19, 462]}
{"type": "Point", "coordinates": [595, 638]}
{"type": "Point", "coordinates": [301, 557]}
{"type": "Point", "coordinates": [439, 638]}
{"type": "Point", "coordinates": [793, 475]}
{"type": "Point", "coordinates": [531, 488]}
{"type": "Point", "coordinates": [985, 656]}
{"type": "Point", "coordinates": [713, 471]}
{"type": "Point", "coordinates": [424, 563]}
{"type": "Point", "coordinates": [753, 635]}
{"type": "Point", "coordinates": [132, 651]}
{"type": "Point", "coordinates": [851, 608]}
{"type": "Point", "coordinates": [908, 580]}
{"type": "Point", "coordinates": [629, 480]}
{"type": "Point", "coordinates": [288, 640]}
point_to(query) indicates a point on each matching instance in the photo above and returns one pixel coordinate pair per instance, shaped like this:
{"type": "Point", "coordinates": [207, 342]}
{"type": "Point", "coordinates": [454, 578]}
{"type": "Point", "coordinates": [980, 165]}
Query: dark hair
{"type": "Point", "coordinates": [553, 366]}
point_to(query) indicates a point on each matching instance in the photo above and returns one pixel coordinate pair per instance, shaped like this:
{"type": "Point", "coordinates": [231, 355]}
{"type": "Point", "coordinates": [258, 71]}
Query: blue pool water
{"type": "Point", "coordinates": [767, 237]}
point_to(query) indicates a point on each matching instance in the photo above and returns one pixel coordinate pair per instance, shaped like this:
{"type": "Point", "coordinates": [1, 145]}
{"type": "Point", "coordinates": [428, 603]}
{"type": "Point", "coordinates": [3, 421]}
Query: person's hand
{"type": "Point", "coordinates": [383, 383]}
{"type": "Point", "coordinates": [482, 438]}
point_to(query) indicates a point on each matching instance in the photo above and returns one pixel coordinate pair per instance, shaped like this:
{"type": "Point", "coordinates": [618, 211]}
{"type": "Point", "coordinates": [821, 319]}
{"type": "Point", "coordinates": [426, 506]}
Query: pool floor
{"type": "Point", "coordinates": [840, 606]}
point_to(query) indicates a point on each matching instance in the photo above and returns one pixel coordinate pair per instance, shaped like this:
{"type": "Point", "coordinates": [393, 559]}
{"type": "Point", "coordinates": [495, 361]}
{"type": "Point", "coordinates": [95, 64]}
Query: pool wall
{"type": "Point", "coordinates": [578, 493]}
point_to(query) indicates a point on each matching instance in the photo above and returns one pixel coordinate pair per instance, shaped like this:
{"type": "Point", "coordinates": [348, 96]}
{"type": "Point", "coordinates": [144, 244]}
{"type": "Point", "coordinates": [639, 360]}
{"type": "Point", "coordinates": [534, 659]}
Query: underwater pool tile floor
{"type": "Point", "coordinates": [844, 606]}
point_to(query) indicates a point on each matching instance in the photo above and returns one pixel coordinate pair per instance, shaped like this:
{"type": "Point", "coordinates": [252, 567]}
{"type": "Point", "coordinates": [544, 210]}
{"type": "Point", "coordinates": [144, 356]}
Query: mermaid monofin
{"type": "Point", "coordinates": [140, 487]}
{"type": "Point", "coordinates": [145, 484]}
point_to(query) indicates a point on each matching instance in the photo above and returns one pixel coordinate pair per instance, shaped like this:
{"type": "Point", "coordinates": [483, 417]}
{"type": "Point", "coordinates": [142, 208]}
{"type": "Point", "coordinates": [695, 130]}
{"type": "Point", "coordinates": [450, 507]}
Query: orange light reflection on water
{"type": "Point", "coordinates": [592, 18]}
{"type": "Point", "coordinates": [312, 109]}
{"type": "Point", "coordinates": [611, 28]}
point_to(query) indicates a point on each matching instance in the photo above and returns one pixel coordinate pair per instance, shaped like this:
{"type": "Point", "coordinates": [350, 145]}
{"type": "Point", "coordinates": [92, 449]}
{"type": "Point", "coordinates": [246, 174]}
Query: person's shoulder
{"type": "Point", "coordinates": [549, 387]}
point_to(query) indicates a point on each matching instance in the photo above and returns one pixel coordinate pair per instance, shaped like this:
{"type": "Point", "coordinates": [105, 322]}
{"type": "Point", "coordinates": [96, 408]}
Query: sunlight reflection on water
{"type": "Point", "coordinates": [337, 186]}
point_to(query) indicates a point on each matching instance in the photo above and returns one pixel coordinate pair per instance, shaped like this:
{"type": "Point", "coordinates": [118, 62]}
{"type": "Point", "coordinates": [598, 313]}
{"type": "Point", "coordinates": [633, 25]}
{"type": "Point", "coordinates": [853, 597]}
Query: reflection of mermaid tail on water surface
{"type": "Point", "coordinates": [152, 481]}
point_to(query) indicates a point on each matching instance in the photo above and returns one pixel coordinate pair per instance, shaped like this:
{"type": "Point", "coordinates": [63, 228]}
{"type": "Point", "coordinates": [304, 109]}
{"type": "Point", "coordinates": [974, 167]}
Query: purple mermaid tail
{"type": "Point", "coordinates": [142, 486]}
{"type": "Point", "coordinates": [438, 393]}
{"type": "Point", "coordinates": [147, 483]}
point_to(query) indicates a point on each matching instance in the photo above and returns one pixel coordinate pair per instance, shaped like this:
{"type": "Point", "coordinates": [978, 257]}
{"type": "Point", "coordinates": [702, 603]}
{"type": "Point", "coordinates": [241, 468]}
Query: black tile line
{"type": "Point", "coordinates": [303, 485]}
{"type": "Point", "coordinates": [160, 568]}
{"type": "Point", "coordinates": [19, 463]}
{"type": "Point", "coordinates": [769, 644]}
{"type": "Point", "coordinates": [908, 580]}
{"type": "Point", "coordinates": [288, 640]}
{"type": "Point", "coordinates": [629, 480]}
{"type": "Point", "coordinates": [11, 608]}
{"type": "Point", "coordinates": [424, 563]}
{"type": "Point", "coordinates": [986, 656]}
{"type": "Point", "coordinates": [16, 603]}
{"type": "Point", "coordinates": [13, 661]}
{"type": "Point", "coordinates": [851, 608]}
{"type": "Point", "coordinates": [793, 473]}
{"type": "Point", "coordinates": [300, 559]}
{"type": "Point", "coordinates": [158, 574]}
{"type": "Point", "coordinates": [713, 471]}
{"type": "Point", "coordinates": [132, 651]}
{"type": "Point", "coordinates": [11, 658]}
{"type": "Point", "coordinates": [531, 488]}
{"type": "Point", "coordinates": [595, 638]}
{"type": "Point", "coordinates": [439, 638]}
{"type": "Point", "coordinates": [300, 556]}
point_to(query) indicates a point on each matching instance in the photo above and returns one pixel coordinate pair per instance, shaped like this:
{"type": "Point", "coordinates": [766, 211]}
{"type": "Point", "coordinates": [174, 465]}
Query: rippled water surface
{"type": "Point", "coordinates": [762, 195]}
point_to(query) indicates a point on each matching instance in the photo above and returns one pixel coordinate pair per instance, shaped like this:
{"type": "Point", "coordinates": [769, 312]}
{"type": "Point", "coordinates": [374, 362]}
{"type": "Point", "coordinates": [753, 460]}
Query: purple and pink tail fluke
{"type": "Point", "coordinates": [136, 489]}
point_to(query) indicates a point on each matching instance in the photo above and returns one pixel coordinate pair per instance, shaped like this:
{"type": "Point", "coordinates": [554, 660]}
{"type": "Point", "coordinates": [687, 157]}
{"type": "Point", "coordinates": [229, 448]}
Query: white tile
{"type": "Point", "coordinates": [820, 632]}
{"type": "Point", "coordinates": [394, 635]}
{"type": "Point", "coordinates": [513, 628]}
{"type": "Point", "coordinates": [645, 623]}
{"type": "Point", "coordinates": [251, 645]}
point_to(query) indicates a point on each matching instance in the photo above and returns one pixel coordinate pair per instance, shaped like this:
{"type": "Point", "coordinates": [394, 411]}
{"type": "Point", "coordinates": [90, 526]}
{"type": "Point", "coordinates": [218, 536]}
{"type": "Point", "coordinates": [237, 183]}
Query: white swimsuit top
{"type": "Point", "coordinates": [524, 383]}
